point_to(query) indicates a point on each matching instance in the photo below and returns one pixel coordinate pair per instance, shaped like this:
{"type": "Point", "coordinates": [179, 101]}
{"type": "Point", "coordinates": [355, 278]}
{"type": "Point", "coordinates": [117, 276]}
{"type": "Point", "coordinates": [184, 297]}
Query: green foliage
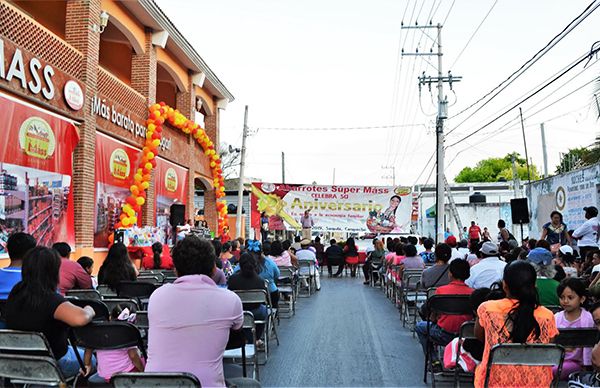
{"type": "Point", "coordinates": [494, 169]}
{"type": "Point", "coordinates": [577, 158]}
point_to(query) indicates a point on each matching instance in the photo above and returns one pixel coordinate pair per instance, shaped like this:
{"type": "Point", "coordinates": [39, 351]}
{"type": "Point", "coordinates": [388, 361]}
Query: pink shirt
{"type": "Point", "coordinates": [285, 260]}
{"type": "Point", "coordinates": [189, 323]}
{"type": "Point", "coordinates": [72, 276]}
{"type": "Point", "coordinates": [582, 356]}
{"type": "Point", "coordinates": [113, 361]}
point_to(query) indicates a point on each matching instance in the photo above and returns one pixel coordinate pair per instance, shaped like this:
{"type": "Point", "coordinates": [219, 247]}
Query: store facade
{"type": "Point", "coordinates": [79, 93]}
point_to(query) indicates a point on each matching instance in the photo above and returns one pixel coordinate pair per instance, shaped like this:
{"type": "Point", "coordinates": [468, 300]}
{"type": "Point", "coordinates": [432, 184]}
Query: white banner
{"type": "Point", "coordinates": [568, 193]}
{"type": "Point", "coordinates": [333, 208]}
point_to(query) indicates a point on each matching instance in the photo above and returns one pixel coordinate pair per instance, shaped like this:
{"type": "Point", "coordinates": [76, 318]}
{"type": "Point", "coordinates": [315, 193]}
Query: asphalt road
{"type": "Point", "coordinates": [346, 335]}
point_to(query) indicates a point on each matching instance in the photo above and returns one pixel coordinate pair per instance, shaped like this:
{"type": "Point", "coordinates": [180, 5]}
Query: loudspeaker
{"type": "Point", "coordinates": [519, 211]}
{"type": "Point", "coordinates": [177, 214]}
{"type": "Point", "coordinates": [119, 236]}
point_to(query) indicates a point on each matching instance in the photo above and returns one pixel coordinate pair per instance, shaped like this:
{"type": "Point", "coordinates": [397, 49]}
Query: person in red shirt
{"type": "Point", "coordinates": [447, 326]}
{"type": "Point", "coordinates": [474, 234]}
{"type": "Point", "coordinates": [71, 275]}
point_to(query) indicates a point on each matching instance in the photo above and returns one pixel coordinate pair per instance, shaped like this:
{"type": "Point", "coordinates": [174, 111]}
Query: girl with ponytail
{"type": "Point", "coordinates": [156, 252]}
{"type": "Point", "coordinates": [518, 318]}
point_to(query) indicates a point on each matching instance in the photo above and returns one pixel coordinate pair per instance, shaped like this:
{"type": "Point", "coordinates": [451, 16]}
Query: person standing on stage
{"type": "Point", "coordinates": [307, 223]}
{"type": "Point", "coordinates": [474, 234]}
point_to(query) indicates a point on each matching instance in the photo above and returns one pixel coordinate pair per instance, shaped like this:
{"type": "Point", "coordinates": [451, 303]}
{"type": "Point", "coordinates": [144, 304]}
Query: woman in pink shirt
{"type": "Point", "coordinates": [280, 256]}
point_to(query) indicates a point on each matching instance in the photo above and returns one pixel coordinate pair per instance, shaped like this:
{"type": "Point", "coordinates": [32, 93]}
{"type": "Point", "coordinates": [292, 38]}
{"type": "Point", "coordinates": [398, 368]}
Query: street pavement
{"type": "Point", "coordinates": [346, 335]}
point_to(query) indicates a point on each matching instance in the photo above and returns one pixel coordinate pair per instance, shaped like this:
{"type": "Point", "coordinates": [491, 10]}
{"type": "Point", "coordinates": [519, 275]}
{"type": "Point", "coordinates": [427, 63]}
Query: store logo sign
{"type": "Point", "coordinates": [119, 164]}
{"type": "Point", "coordinates": [73, 95]}
{"type": "Point", "coordinates": [171, 180]}
{"type": "Point", "coordinates": [36, 138]}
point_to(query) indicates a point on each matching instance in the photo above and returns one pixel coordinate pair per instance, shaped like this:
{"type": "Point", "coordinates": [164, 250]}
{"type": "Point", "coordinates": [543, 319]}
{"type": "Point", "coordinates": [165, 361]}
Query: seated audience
{"type": "Point", "coordinates": [447, 326]}
{"type": "Point", "coordinates": [572, 294]}
{"type": "Point", "coordinates": [235, 251]}
{"type": "Point", "coordinates": [374, 261]}
{"type": "Point", "coordinates": [287, 246]}
{"type": "Point", "coordinates": [334, 256]}
{"type": "Point", "coordinates": [160, 259]}
{"type": "Point", "coordinates": [72, 275]}
{"type": "Point", "coordinates": [306, 253]}
{"type": "Point", "coordinates": [280, 256]}
{"type": "Point", "coordinates": [437, 275]}
{"type": "Point", "coordinates": [247, 279]}
{"type": "Point", "coordinates": [489, 269]}
{"type": "Point", "coordinates": [17, 245]}
{"type": "Point", "coordinates": [190, 319]}
{"type": "Point", "coordinates": [427, 254]}
{"type": "Point", "coordinates": [351, 255]}
{"type": "Point", "coordinates": [225, 257]}
{"type": "Point", "coordinates": [87, 263]}
{"type": "Point", "coordinates": [412, 260]}
{"type": "Point", "coordinates": [518, 318]}
{"type": "Point", "coordinates": [117, 267]}
{"type": "Point", "coordinates": [320, 251]}
{"type": "Point", "coordinates": [34, 305]}
{"type": "Point", "coordinates": [541, 258]}
{"type": "Point", "coordinates": [566, 259]}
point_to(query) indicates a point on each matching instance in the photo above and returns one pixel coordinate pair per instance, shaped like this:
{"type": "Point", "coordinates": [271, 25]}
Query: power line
{"type": "Point", "coordinates": [473, 35]}
{"type": "Point", "coordinates": [531, 61]}
{"type": "Point", "coordinates": [338, 128]}
{"type": "Point", "coordinates": [583, 58]}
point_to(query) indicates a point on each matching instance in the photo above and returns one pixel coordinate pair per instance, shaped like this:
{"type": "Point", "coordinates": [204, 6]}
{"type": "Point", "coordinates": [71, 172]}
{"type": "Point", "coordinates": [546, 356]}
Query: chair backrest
{"type": "Point", "coordinates": [24, 342]}
{"type": "Point", "coordinates": [168, 273]}
{"type": "Point", "coordinates": [153, 273]}
{"type": "Point", "coordinates": [108, 336]}
{"type": "Point", "coordinates": [286, 272]}
{"type": "Point", "coordinates": [105, 290]}
{"type": "Point", "coordinates": [31, 369]}
{"type": "Point", "coordinates": [152, 379]}
{"type": "Point", "coordinates": [141, 320]}
{"type": "Point", "coordinates": [450, 304]}
{"type": "Point", "coordinates": [131, 304]}
{"type": "Point", "coordinates": [577, 338]}
{"type": "Point", "coordinates": [410, 280]}
{"type": "Point", "coordinates": [253, 296]}
{"type": "Point", "coordinates": [554, 308]}
{"type": "Point", "coordinates": [467, 330]}
{"type": "Point", "coordinates": [85, 294]}
{"type": "Point", "coordinates": [153, 279]}
{"type": "Point", "coordinates": [524, 355]}
{"type": "Point", "coordinates": [100, 308]}
{"type": "Point", "coordinates": [135, 289]}
{"type": "Point", "coordinates": [170, 279]}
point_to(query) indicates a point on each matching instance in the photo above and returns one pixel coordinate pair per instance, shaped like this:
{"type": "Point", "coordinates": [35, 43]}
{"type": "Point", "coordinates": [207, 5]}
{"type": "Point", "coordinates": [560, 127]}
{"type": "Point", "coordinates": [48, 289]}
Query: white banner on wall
{"type": "Point", "coordinates": [568, 193]}
{"type": "Point", "coordinates": [333, 208]}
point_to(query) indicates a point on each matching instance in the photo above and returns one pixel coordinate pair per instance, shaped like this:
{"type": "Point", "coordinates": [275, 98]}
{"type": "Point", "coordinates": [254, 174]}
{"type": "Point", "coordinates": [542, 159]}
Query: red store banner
{"type": "Point", "coordinates": [171, 186]}
{"type": "Point", "coordinates": [115, 167]}
{"type": "Point", "coordinates": [36, 168]}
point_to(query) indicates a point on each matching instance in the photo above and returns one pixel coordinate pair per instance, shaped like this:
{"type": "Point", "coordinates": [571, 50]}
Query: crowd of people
{"type": "Point", "coordinates": [518, 292]}
{"type": "Point", "coordinates": [199, 307]}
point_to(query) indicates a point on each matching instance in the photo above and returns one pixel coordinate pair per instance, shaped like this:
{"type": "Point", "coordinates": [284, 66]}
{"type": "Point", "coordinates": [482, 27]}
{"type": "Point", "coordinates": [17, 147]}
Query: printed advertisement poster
{"type": "Point", "coordinates": [368, 209]}
{"type": "Point", "coordinates": [36, 168]}
{"type": "Point", "coordinates": [115, 167]}
{"type": "Point", "coordinates": [170, 182]}
{"type": "Point", "coordinates": [568, 193]}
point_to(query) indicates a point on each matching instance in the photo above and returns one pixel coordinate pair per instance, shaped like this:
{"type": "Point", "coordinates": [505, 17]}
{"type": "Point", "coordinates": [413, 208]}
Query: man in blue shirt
{"type": "Point", "coordinates": [17, 245]}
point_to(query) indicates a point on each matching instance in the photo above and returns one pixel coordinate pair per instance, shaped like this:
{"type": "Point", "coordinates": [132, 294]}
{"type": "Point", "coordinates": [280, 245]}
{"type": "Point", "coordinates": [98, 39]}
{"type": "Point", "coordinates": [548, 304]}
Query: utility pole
{"type": "Point", "coordinates": [441, 116]}
{"type": "Point", "coordinates": [393, 176]}
{"type": "Point", "coordinates": [516, 180]}
{"type": "Point", "coordinates": [282, 167]}
{"type": "Point", "coordinates": [526, 154]}
{"type": "Point", "coordinates": [544, 152]}
{"type": "Point", "coordinates": [238, 221]}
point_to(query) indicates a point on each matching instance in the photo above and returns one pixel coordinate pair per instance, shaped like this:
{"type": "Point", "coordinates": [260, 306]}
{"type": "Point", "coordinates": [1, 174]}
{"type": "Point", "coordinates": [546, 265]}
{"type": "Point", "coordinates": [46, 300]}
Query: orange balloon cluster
{"type": "Point", "coordinates": [159, 113]}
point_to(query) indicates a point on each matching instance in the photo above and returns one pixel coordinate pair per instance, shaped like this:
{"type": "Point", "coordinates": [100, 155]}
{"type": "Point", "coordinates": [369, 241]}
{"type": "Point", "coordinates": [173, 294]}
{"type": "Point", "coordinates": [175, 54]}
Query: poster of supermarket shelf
{"type": "Point", "coordinates": [109, 200]}
{"type": "Point", "coordinates": [35, 202]}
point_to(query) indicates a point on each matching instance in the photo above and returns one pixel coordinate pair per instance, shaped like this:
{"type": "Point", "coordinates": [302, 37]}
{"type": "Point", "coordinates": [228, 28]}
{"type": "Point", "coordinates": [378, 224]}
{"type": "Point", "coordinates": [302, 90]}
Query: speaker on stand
{"type": "Point", "coordinates": [519, 212]}
{"type": "Point", "coordinates": [176, 218]}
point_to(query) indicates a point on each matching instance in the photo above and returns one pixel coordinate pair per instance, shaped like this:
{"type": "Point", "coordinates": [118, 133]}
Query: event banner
{"type": "Point", "coordinates": [171, 185]}
{"type": "Point", "coordinates": [568, 193]}
{"type": "Point", "coordinates": [36, 168]}
{"type": "Point", "coordinates": [115, 168]}
{"type": "Point", "coordinates": [368, 209]}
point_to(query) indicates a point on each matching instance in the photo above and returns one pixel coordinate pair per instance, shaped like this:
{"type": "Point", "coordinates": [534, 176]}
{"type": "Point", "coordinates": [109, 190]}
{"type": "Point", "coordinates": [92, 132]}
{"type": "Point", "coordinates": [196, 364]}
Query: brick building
{"type": "Point", "coordinates": [104, 79]}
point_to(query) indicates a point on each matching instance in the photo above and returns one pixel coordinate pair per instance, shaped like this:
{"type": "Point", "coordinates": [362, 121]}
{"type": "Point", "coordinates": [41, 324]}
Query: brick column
{"type": "Point", "coordinates": [143, 79]}
{"type": "Point", "coordinates": [211, 124]}
{"type": "Point", "coordinates": [190, 193]}
{"type": "Point", "coordinates": [210, 209]}
{"type": "Point", "coordinates": [80, 14]}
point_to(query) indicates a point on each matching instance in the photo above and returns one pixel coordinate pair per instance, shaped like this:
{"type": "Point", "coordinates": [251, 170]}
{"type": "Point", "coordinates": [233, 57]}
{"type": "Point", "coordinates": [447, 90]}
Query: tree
{"type": "Point", "coordinates": [230, 160]}
{"type": "Point", "coordinates": [578, 157]}
{"type": "Point", "coordinates": [495, 169]}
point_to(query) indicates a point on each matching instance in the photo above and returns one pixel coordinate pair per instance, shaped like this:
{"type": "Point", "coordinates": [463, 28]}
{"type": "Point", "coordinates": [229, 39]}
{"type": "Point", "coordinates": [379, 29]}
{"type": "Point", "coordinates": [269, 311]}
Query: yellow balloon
{"type": "Point", "coordinates": [145, 185]}
{"type": "Point", "coordinates": [150, 155]}
{"type": "Point", "coordinates": [155, 142]}
{"type": "Point", "coordinates": [133, 220]}
{"type": "Point", "coordinates": [125, 221]}
{"type": "Point", "coordinates": [148, 166]}
{"type": "Point", "coordinates": [140, 200]}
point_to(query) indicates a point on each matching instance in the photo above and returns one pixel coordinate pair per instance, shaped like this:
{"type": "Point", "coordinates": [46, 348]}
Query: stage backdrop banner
{"type": "Point", "coordinates": [171, 186]}
{"type": "Point", "coordinates": [568, 193]}
{"type": "Point", "coordinates": [369, 209]}
{"type": "Point", "coordinates": [36, 168]}
{"type": "Point", "coordinates": [115, 167]}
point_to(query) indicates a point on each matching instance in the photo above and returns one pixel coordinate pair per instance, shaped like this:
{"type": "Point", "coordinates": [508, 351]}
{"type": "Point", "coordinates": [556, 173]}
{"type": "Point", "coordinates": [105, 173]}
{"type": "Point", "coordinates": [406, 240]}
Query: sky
{"type": "Point", "coordinates": [307, 64]}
